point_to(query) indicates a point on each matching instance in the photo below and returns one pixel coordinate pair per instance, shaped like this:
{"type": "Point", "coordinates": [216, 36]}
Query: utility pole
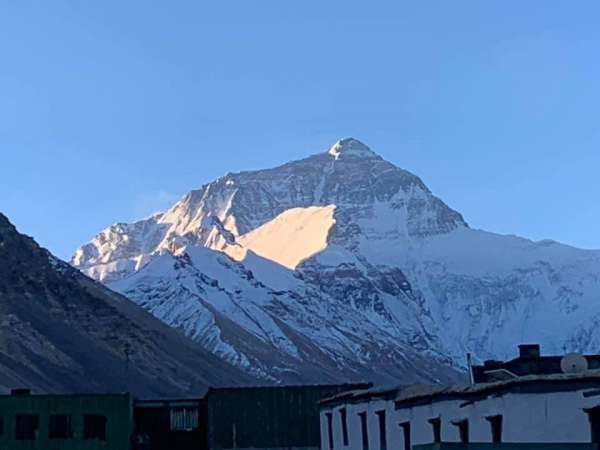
{"type": "Point", "coordinates": [127, 353]}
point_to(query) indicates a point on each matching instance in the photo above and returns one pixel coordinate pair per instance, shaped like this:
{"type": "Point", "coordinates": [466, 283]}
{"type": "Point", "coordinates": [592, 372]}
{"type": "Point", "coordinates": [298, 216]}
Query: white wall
{"type": "Point", "coordinates": [554, 417]}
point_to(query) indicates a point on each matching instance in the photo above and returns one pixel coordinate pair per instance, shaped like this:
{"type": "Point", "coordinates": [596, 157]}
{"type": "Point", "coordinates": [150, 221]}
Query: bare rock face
{"type": "Point", "coordinates": [343, 266]}
{"type": "Point", "coordinates": [62, 332]}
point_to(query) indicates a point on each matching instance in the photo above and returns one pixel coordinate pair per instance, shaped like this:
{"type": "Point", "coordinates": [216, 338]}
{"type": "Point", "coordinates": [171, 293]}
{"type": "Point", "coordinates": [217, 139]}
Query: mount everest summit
{"type": "Point", "coordinates": [342, 266]}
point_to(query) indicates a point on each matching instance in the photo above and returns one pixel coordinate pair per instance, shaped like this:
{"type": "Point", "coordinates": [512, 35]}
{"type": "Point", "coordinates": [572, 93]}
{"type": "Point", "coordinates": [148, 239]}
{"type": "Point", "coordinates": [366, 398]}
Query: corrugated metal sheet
{"type": "Point", "coordinates": [267, 417]}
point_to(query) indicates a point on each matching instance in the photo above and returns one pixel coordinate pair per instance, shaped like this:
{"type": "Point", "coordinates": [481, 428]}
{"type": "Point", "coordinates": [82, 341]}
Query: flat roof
{"type": "Point", "coordinates": [172, 403]}
{"type": "Point", "coordinates": [417, 392]}
{"type": "Point", "coordinates": [353, 396]}
{"type": "Point", "coordinates": [86, 394]}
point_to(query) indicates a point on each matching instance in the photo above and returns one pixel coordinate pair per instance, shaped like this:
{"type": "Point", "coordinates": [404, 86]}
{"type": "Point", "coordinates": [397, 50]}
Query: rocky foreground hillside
{"type": "Point", "coordinates": [63, 332]}
{"type": "Point", "coordinates": [344, 266]}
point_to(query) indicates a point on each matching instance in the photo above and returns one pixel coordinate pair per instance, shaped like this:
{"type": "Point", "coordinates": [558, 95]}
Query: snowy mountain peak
{"type": "Point", "coordinates": [345, 262]}
{"type": "Point", "coordinates": [351, 147]}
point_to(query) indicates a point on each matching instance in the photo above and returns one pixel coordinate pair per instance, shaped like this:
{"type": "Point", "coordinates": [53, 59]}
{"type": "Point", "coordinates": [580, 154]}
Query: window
{"type": "Point", "coordinates": [1, 427]}
{"type": "Point", "coordinates": [436, 426]}
{"type": "Point", "coordinates": [364, 430]}
{"type": "Point", "coordinates": [94, 426]}
{"type": "Point", "coordinates": [184, 419]}
{"type": "Point", "coordinates": [496, 427]}
{"type": "Point", "coordinates": [406, 431]}
{"type": "Point", "coordinates": [463, 430]}
{"type": "Point", "coordinates": [27, 426]}
{"type": "Point", "coordinates": [330, 429]}
{"type": "Point", "coordinates": [382, 433]}
{"type": "Point", "coordinates": [594, 417]}
{"type": "Point", "coordinates": [344, 419]}
{"type": "Point", "coordinates": [61, 426]}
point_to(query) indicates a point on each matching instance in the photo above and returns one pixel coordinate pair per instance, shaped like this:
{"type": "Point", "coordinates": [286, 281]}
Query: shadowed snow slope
{"type": "Point", "coordinates": [347, 267]}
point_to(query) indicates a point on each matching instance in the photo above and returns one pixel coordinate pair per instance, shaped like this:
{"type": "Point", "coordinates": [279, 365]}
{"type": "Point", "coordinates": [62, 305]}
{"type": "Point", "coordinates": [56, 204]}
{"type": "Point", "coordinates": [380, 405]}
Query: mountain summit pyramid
{"type": "Point", "coordinates": [342, 266]}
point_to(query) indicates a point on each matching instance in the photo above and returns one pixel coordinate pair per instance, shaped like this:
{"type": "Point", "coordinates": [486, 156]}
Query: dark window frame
{"type": "Point", "coordinates": [495, 427]}
{"type": "Point", "coordinates": [188, 420]}
{"type": "Point", "coordinates": [1, 426]}
{"type": "Point", "coordinates": [594, 419]}
{"type": "Point", "coordinates": [364, 427]}
{"type": "Point", "coordinates": [381, 416]}
{"type": "Point", "coordinates": [94, 426]}
{"type": "Point", "coordinates": [344, 420]}
{"type": "Point", "coordinates": [27, 427]}
{"type": "Point", "coordinates": [59, 429]}
{"type": "Point", "coordinates": [406, 431]}
{"type": "Point", "coordinates": [436, 428]}
{"type": "Point", "coordinates": [329, 417]}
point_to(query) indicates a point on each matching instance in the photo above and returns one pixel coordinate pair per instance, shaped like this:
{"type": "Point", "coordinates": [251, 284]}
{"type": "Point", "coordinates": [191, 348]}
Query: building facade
{"type": "Point", "coordinates": [506, 446]}
{"type": "Point", "coordinates": [268, 418]}
{"type": "Point", "coordinates": [531, 409]}
{"type": "Point", "coordinates": [170, 424]}
{"type": "Point", "coordinates": [65, 422]}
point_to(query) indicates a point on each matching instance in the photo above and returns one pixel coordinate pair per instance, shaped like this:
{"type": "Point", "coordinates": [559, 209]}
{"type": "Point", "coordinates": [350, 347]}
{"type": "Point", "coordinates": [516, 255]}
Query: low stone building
{"type": "Point", "coordinates": [559, 408]}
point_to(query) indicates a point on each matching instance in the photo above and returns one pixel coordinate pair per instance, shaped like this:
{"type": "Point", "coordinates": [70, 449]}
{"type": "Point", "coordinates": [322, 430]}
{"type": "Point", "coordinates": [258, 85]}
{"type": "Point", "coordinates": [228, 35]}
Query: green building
{"type": "Point", "coordinates": [65, 422]}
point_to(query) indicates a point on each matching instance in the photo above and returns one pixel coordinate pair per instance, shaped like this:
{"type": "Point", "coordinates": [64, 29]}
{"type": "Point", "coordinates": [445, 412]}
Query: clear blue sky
{"type": "Point", "coordinates": [111, 110]}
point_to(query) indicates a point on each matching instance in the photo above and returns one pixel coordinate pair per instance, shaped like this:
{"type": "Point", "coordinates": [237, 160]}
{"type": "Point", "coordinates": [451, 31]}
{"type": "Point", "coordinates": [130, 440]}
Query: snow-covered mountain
{"type": "Point", "coordinates": [341, 266]}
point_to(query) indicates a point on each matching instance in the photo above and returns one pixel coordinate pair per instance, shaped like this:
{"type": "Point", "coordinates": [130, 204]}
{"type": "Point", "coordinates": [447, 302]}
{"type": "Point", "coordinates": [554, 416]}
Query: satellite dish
{"type": "Point", "coordinates": [573, 363]}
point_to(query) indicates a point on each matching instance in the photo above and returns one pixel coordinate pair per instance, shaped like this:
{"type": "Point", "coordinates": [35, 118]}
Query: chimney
{"type": "Point", "coordinates": [491, 364]}
{"type": "Point", "coordinates": [470, 365]}
{"type": "Point", "coordinates": [20, 392]}
{"type": "Point", "coordinates": [529, 351]}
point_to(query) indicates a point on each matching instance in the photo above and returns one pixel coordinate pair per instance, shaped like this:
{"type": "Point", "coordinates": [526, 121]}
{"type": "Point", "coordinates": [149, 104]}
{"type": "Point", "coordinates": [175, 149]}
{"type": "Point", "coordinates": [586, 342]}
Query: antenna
{"type": "Point", "coordinates": [573, 363]}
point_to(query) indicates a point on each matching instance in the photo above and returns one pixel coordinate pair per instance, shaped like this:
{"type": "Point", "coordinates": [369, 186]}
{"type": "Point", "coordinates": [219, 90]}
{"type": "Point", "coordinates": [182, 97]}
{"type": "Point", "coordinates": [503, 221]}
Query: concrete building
{"type": "Point", "coordinates": [506, 446]}
{"type": "Point", "coordinates": [560, 408]}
